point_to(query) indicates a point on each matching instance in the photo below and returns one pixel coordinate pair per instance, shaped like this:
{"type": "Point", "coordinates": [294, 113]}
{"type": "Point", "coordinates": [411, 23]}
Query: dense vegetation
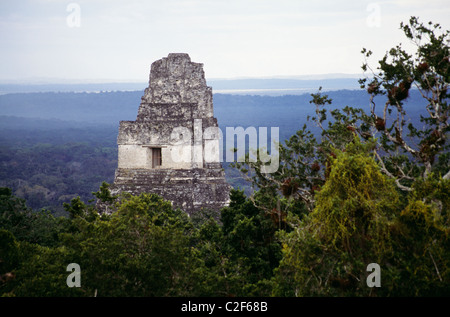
{"type": "Point", "coordinates": [355, 186]}
{"type": "Point", "coordinates": [50, 166]}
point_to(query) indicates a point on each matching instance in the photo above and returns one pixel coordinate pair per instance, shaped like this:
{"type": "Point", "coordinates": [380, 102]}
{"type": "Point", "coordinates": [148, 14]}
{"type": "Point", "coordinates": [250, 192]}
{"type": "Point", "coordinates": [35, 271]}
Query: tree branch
{"type": "Point", "coordinates": [389, 174]}
{"type": "Point", "coordinates": [447, 176]}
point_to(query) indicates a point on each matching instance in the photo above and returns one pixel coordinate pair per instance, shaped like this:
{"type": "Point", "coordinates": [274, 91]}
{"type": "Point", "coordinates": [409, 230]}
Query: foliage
{"type": "Point", "coordinates": [9, 252]}
{"type": "Point", "coordinates": [344, 210]}
{"type": "Point", "coordinates": [147, 248]}
{"type": "Point", "coordinates": [249, 236]}
{"type": "Point", "coordinates": [41, 272]}
{"type": "Point", "coordinates": [348, 229]}
{"type": "Point", "coordinates": [355, 201]}
{"type": "Point", "coordinates": [142, 249]}
{"type": "Point", "coordinates": [421, 241]}
{"type": "Point", "coordinates": [428, 71]}
{"type": "Point", "coordinates": [75, 169]}
{"type": "Point", "coordinates": [40, 227]}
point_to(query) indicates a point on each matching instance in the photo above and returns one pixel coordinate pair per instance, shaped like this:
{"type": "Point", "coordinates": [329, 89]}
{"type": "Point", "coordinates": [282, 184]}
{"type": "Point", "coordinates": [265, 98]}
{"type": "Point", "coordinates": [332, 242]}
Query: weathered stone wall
{"type": "Point", "coordinates": [175, 115]}
{"type": "Point", "coordinates": [189, 189]}
{"type": "Point", "coordinates": [177, 80]}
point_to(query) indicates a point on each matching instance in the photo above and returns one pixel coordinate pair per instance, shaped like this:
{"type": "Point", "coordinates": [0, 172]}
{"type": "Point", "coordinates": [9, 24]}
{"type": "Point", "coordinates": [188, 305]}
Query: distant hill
{"type": "Point", "coordinates": [108, 108]}
{"type": "Point", "coordinates": [280, 86]}
{"type": "Point", "coordinates": [105, 108]}
{"type": "Point", "coordinates": [255, 86]}
{"type": "Point", "coordinates": [8, 88]}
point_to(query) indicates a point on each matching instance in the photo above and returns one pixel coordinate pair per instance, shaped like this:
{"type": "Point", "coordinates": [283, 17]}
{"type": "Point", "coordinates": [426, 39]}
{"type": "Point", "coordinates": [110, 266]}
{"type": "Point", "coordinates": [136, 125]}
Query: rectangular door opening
{"type": "Point", "coordinates": [156, 157]}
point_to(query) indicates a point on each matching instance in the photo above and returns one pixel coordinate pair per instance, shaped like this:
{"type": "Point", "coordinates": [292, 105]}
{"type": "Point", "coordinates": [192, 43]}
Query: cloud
{"type": "Point", "coordinates": [120, 39]}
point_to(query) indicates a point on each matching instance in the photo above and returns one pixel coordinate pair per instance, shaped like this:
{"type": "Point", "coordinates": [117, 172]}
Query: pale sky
{"type": "Point", "coordinates": [117, 40]}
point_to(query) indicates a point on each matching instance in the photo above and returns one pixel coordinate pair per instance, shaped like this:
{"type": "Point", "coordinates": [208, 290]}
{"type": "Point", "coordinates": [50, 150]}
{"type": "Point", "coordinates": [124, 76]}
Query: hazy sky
{"type": "Point", "coordinates": [119, 39]}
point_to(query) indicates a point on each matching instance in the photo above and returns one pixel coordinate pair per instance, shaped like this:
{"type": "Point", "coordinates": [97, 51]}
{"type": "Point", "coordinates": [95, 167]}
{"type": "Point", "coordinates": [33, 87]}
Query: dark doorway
{"type": "Point", "coordinates": [156, 157]}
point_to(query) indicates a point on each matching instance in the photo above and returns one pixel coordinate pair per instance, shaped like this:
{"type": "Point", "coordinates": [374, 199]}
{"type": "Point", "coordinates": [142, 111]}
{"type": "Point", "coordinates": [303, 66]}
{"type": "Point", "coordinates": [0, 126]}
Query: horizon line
{"type": "Point", "coordinates": [72, 81]}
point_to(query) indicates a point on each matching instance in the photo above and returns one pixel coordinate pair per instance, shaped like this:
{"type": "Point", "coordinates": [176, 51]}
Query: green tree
{"type": "Point", "coordinates": [405, 150]}
{"type": "Point", "coordinates": [142, 249]}
{"type": "Point", "coordinates": [41, 272]}
{"type": "Point", "coordinates": [412, 150]}
{"type": "Point", "coordinates": [14, 213]}
{"type": "Point", "coordinates": [327, 253]}
{"type": "Point", "coordinates": [9, 250]}
{"type": "Point", "coordinates": [421, 241]}
{"type": "Point", "coordinates": [219, 273]}
{"type": "Point", "coordinates": [339, 193]}
{"type": "Point", "coordinates": [239, 251]}
{"type": "Point", "coordinates": [39, 227]}
{"type": "Point", "coordinates": [249, 235]}
{"type": "Point", "coordinates": [304, 160]}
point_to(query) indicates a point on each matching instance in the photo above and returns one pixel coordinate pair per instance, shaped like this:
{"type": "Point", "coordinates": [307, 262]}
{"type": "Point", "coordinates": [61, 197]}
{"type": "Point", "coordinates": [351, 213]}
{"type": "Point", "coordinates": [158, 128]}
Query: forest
{"type": "Point", "coordinates": [364, 179]}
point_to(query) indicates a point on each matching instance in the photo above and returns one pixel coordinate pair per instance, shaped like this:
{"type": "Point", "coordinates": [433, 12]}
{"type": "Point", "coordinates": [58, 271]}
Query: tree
{"type": "Point", "coordinates": [8, 256]}
{"type": "Point", "coordinates": [39, 227]}
{"type": "Point", "coordinates": [249, 238]}
{"type": "Point", "coordinates": [220, 272]}
{"type": "Point", "coordinates": [328, 251]}
{"type": "Point", "coordinates": [142, 249]}
{"type": "Point", "coordinates": [40, 272]}
{"type": "Point", "coordinates": [304, 161]}
{"type": "Point", "coordinates": [342, 214]}
{"type": "Point", "coordinates": [14, 213]}
{"type": "Point", "coordinates": [427, 70]}
{"type": "Point", "coordinates": [405, 150]}
{"type": "Point", "coordinates": [421, 242]}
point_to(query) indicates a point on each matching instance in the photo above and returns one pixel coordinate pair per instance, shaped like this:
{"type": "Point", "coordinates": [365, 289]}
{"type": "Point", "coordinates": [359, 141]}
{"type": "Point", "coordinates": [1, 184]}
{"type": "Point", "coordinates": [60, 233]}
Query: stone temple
{"type": "Point", "coordinates": [173, 147]}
